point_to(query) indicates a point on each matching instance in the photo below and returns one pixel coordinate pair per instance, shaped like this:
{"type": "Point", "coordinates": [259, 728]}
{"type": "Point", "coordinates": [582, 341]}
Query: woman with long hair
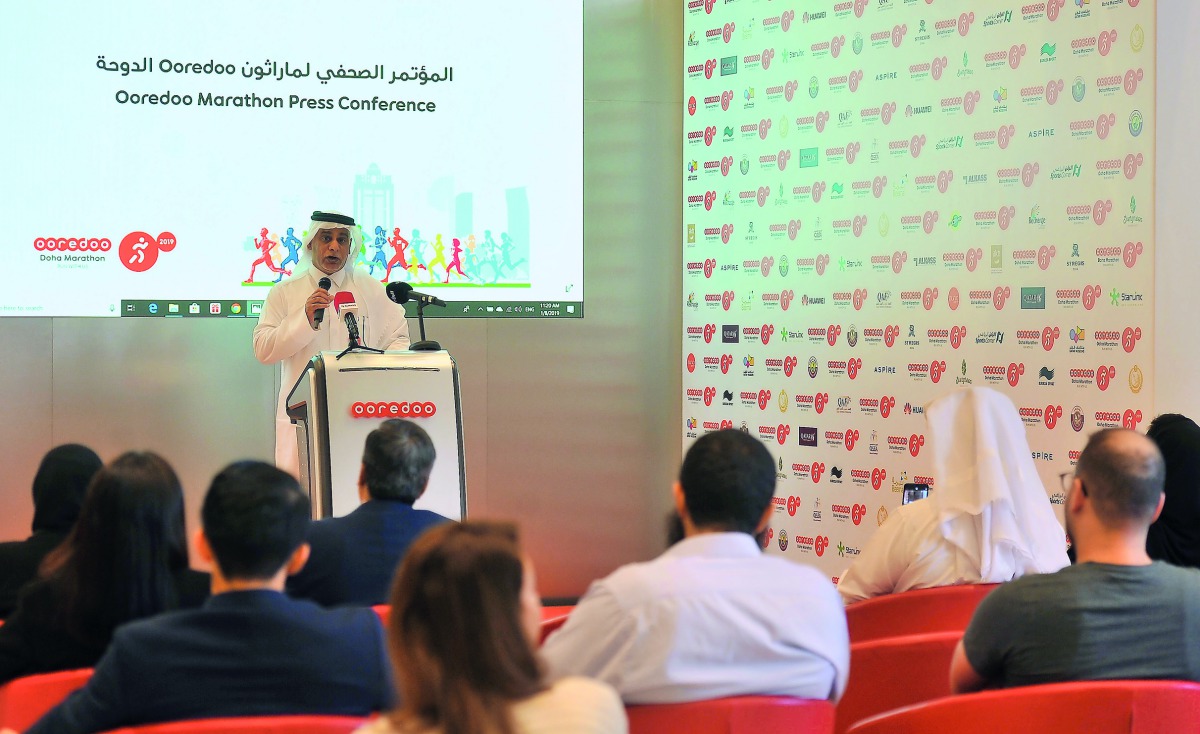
{"type": "Point", "coordinates": [58, 489]}
{"type": "Point", "coordinates": [125, 559]}
{"type": "Point", "coordinates": [1175, 536]}
{"type": "Point", "coordinates": [464, 623]}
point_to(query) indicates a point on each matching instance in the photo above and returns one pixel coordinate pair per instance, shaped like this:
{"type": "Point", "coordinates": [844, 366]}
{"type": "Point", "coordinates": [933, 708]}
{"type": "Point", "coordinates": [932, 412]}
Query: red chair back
{"type": "Point", "coordinates": [555, 612]}
{"type": "Point", "coordinates": [897, 671]}
{"type": "Point", "coordinates": [549, 625]}
{"type": "Point", "coordinates": [735, 715]}
{"type": "Point", "coordinates": [552, 619]}
{"type": "Point", "coordinates": [252, 725]}
{"type": "Point", "coordinates": [1095, 707]}
{"type": "Point", "coordinates": [940, 609]}
{"type": "Point", "coordinates": [24, 700]}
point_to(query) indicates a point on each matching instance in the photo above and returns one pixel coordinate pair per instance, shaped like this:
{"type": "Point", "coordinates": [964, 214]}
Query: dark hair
{"type": "Point", "coordinates": [1175, 536]}
{"type": "Point", "coordinates": [1123, 472]}
{"type": "Point", "coordinates": [254, 516]}
{"type": "Point", "coordinates": [118, 562]}
{"type": "Point", "coordinates": [728, 480]}
{"type": "Point", "coordinates": [397, 460]}
{"type": "Point", "coordinates": [460, 652]}
{"type": "Point", "coordinates": [60, 485]}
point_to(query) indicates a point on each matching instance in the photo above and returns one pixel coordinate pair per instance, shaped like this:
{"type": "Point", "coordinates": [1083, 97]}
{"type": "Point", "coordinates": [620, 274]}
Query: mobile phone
{"type": "Point", "coordinates": [914, 492]}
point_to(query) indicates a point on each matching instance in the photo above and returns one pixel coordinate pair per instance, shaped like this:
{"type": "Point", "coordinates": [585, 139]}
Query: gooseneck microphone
{"type": "Point", "coordinates": [401, 292]}
{"type": "Point", "coordinates": [319, 316]}
{"type": "Point", "coordinates": [345, 306]}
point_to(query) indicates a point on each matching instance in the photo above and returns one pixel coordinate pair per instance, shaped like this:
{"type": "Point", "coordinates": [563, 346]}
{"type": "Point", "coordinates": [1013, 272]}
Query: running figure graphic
{"type": "Point", "coordinates": [265, 243]}
{"type": "Point", "coordinates": [455, 262]}
{"type": "Point", "coordinates": [439, 256]}
{"type": "Point", "coordinates": [292, 243]}
{"type": "Point", "coordinates": [379, 257]}
{"type": "Point", "coordinates": [399, 244]}
{"type": "Point", "coordinates": [506, 248]}
{"type": "Point", "coordinates": [418, 262]}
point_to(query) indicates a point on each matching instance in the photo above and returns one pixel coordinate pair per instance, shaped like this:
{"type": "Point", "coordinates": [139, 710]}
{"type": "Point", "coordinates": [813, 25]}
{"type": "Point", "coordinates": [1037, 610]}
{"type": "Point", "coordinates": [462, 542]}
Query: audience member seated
{"type": "Point", "coordinates": [354, 557]}
{"type": "Point", "coordinates": [1175, 535]}
{"type": "Point", "coordinates": [712, 616]}
{"type": "Point", "coordinates": [125, 559]}
{"type": "Point", "coordinates": [1115, 614]}
{"type": "Point", "coordinates": [58, 489]}
{"type": "Point", "coordinates": [987, 520]}
{"type": "Point", "coordinates": [462, 633]}
{"type": "Point", "coordinates": [250, 650]}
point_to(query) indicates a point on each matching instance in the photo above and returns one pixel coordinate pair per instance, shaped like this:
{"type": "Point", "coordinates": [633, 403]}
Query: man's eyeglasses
{"type": "Point", "coordinates": [1067, 478]}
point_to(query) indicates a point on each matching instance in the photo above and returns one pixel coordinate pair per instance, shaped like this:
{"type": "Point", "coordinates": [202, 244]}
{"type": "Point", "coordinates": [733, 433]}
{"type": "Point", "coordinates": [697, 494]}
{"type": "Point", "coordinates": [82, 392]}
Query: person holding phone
{"type": "Point", "coordinates": [987, 518]}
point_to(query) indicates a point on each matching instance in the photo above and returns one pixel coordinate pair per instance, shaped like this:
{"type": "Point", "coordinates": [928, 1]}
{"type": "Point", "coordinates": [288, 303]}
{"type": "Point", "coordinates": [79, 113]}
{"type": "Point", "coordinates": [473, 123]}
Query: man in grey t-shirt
{"type": "Point", "coordinates": [1113, 615]}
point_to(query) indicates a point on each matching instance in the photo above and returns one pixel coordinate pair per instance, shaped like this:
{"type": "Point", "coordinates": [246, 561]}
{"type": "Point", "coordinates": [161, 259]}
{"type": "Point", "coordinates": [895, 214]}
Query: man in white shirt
{"type": "Point", "coordinates": [712, 616]}
{"type": "Point", "coordinates": [289, 329]}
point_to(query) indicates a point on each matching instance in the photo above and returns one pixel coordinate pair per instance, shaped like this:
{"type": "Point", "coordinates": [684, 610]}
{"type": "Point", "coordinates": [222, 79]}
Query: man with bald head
{"type": "Point", "coordinates": [294, 325]}
{"type": "Point", "coordinates": [1115, 614]}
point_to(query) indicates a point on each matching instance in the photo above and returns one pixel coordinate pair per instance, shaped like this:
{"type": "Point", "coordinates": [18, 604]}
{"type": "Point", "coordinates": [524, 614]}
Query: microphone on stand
{"type": "Point", "coordinates": [319, 316]}
{"type": "Point", "coordinates": [345, 306]}
{"type": "Point", "coordinates": [401, 292]}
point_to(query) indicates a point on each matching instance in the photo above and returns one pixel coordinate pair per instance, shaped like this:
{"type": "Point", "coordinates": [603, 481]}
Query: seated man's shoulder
{"type": "Point", "coordinates": [1081, 581]}
{"type": "Point", "coordinates": [337, 617]}
{"type": "Point", "coordinates": [671, 575]}
{"type": "Point", "coordinates": [329, 527]}
{"type": "Point", "coordinates": [426, 518]}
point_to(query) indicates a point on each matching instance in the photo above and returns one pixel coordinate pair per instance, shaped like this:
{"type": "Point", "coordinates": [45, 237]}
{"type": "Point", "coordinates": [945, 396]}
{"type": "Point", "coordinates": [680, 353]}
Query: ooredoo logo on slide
{"type": "Point", "coordinates": [139, 250]}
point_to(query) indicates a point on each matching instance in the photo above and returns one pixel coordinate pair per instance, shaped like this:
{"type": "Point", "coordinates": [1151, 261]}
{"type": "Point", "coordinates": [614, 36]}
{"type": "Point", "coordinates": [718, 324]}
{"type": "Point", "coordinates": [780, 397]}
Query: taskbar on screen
{"type": "Point", "coordinates": [165, 308]}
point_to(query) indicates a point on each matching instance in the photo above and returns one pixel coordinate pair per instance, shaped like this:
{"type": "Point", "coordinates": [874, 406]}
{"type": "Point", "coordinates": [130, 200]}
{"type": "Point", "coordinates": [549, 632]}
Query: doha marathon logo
{"type": "Point", "coordinates": [139, 251]}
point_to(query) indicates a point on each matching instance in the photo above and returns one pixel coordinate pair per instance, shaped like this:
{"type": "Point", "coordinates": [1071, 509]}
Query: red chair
{"type": "Point", "coordinates": [24, 700]}
{"type": "Point", "coordinates": [552, 619]}
{"type": "Point", "coordinates": [1095, 707]}
{"type": "Point", "coordinates": [252, 725]}
{"type": "Point", "coordinates": [893, 672]}
{"type": "Point", "coordinates": [549, 614]}
{"type": "Point", "coordinates": [939, 609]}
{"type": "Point", "coordinates": [556, 612]}
{"type": "Point", "coordinates": [735, 715]}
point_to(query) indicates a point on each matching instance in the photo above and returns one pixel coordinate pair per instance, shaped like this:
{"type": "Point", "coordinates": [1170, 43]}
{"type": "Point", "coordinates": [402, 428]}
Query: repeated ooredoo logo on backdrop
{"type": "Point", "coordinates": [886, 200]}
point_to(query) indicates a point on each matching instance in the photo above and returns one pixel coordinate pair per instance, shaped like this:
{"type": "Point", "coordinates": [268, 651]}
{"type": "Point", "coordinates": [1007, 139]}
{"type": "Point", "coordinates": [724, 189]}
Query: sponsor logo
{"type": "Point", "coordinates": [392, 409]}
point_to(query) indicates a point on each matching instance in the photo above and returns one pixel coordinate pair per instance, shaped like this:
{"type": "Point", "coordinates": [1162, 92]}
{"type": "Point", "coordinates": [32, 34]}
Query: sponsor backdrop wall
{"type": "Point", "coordinates": [887, 200]}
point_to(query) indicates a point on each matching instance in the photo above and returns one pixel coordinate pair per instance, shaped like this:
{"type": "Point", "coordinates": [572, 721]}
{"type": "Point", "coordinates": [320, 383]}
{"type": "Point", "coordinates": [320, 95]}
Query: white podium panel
{"type": "Point", "coordinates": [337, 402]}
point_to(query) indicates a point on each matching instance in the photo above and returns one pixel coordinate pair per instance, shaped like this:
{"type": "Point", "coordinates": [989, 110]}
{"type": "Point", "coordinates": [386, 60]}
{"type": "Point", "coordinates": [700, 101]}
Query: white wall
{"type": "Point", "coordinates": [1177, 211]}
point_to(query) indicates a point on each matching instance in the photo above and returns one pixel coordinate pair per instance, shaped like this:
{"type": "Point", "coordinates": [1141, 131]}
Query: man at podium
{"type": "Point", "coordinates": [294, 325]}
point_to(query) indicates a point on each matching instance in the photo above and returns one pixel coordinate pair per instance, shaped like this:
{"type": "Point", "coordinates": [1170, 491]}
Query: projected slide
{"type": "Point", "coordinates": [164, 158]}
{"type": "Point", "coordinates": [889, 200]}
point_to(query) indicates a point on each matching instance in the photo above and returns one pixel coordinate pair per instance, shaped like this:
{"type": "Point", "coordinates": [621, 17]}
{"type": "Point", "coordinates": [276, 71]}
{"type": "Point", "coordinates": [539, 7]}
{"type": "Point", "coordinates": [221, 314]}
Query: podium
{"type": "Point", "coordinates": [336, 402]}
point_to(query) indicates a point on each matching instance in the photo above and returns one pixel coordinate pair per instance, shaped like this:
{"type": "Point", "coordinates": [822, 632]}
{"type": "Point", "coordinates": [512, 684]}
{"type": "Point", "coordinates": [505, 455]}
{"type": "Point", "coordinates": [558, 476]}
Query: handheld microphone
{"type": "Point", "coordinates": [345, 306]}
{"type": "Point", "coordinates": [319, 316]}
{"type": "Point", "coordinates": [400, 292]}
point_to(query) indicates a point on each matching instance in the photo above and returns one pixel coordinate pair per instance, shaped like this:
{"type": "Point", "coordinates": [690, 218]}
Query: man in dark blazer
{"type": "Point", "coordinates": [250, 650]}
{"type": "Point", "coordinates": [354, 557]}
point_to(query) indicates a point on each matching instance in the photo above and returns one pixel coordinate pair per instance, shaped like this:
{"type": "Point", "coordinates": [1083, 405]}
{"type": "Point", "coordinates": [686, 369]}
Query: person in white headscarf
{"type": "Point", "coordinates": [987, 520]}
{"type": "Point", "coordinates": [289, 329]}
